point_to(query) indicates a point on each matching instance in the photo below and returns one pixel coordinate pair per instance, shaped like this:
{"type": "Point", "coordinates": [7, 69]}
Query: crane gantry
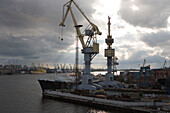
{"type": "Point", "coordinates": [90, 47]}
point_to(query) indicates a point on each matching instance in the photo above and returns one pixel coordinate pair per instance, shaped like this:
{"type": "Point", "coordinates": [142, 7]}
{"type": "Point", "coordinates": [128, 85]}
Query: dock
{"type": "Point", "coordinates": [111, 105]}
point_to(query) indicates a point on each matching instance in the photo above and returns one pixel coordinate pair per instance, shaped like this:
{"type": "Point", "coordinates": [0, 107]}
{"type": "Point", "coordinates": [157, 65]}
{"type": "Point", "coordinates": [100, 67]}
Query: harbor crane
{"type": "Point", "coordinates": [145, 69]}
{"type": "Point", "coordinates": [90, 46]}
{"type": "Point", "coordinates": [164, 64]}
{"type": "Point", "coordinates": [144, 62]}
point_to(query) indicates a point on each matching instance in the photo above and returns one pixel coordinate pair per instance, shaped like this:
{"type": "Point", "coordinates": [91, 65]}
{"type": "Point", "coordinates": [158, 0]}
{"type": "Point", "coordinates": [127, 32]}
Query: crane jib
{"type": "Point", "coordinates": [92, 32]}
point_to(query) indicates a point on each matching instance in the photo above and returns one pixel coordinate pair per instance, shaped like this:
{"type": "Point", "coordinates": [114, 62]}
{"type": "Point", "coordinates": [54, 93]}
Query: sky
{"type": "Point", "coordinates": [30, 32]}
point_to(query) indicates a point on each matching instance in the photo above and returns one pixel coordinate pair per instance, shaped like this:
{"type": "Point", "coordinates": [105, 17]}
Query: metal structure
{"type": "Point", "coordinates": [55, 68]}
{"type": "Point", "coordinates": [77, 58]}
{"type": "Point", "coordinates": [90, 47]}
{"type": "Point", "coordinates": [164, 64]}
{"type": "Point", "coordinates": [114, 63]}
{"type": "Point", "coordinates": [109, 53]}
{"type": "Point", "coordinates": [145, 69]}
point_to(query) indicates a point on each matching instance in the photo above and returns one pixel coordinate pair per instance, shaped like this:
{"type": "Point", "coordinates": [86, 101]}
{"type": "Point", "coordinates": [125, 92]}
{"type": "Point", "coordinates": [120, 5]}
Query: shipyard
{"type": "Point", "coordinates": [85, 56]}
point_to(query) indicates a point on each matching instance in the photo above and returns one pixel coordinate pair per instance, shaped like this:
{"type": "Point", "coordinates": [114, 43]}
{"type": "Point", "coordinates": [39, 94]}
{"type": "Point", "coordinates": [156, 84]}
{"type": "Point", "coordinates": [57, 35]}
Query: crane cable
{"type": "Point", "coordinates": [61, 36]}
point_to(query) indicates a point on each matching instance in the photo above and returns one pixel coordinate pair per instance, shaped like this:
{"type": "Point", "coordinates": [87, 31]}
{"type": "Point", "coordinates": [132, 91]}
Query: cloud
{"type": "Point", "coordinates": [151, 14]}
{"type": "Point", "coordinates": [137, 58]}
{"type": "Point", "coordinates": [132, 51]}
{"type": "Point", "coordinates": [38, 16]}
{"type": "Point", "coordinates": [33, 47]}
{"type": "Point", "coordinates": [159, 41]}
{"type": "Point", "coordinates": [30, 30]}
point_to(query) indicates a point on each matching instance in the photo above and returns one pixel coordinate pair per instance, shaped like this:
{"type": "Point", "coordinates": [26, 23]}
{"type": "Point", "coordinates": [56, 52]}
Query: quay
{"type": "Point", "coordinates": [110, 105]}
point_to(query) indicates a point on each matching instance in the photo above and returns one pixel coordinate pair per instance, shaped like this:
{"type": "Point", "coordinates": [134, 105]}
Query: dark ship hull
{"type": "Point", "coordinates": [55, 84]}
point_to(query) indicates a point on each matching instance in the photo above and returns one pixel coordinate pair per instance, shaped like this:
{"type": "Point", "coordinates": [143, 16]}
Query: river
{"type": "Point", "coordinates": [22, 94]}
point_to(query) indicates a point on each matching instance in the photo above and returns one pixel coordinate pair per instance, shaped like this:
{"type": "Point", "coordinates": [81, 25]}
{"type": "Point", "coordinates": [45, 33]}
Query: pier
{"type": "Point", "coordinates": [130, 107]}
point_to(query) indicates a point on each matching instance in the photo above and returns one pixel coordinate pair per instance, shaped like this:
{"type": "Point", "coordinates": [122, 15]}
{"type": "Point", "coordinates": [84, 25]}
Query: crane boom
{"type": "Point", "coordinates": [92, 24]}
{"type": "Point", "coordinates": [79, 34]}
{"type": "Point", "coordinates": [77, 30]}
{"type": "Point", "coordinates": [64, 16]}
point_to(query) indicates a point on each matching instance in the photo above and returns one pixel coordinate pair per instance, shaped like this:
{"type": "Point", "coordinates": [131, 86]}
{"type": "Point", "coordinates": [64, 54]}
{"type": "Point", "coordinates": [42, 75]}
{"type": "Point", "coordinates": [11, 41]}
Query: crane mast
{"type": "Point", "coordinates": [110, 54]}
{"type": "Point", "coordinates": [90, 47]}
{"type": "Point", "coordinates": [164, 64]}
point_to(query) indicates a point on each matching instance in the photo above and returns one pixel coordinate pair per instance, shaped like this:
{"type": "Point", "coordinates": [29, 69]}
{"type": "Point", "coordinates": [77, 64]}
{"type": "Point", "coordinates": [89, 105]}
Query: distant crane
{"type": "Point", "coordinates": [144, 62]}
{"type": "Point", "coordinates": [39, 65]}
{"type": "Point", "coordinates": [90, 47]}
{"type": "Point", "coordinates": [61, 67]}
{"type": "Point", "coordinates": [70, 67]}
{"type": "Point", "coordinates": [164, 64]}
{"type": "Point", "coordinates": [42, 66]}
{"type": "Point", "coordinates": [58, 67]}
{"type": "Point", "coordinates": [145, 69]}
{"type": "Point", "coordinates": [55, 67]}
{"type": "Point", "coordinates": [33, 66]}
{"type": "Point", "coordinates": [9, 62]}
{"type": "Point", "coordinates": [47, 66]}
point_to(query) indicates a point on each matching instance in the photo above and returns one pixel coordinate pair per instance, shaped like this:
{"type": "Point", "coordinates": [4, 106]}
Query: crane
{"type": "Point", "coordinates": [145, 69]}
{"type": "Point", "coordinates": [47, 66]}
{"type": "Point", "coordinates": [70, 67]}
{"type": "Point", "coordinates": [90, 47]}
{"type": "Point", "coordinates": [55, 67]}
{"type": "Point", "coordinates": [39, 65]}
{"type": "Point", "coordinates": [164, 64]}
{"type": "Point", "coordinates": [58, 67]}
{"type": "Point", "coordinates": [42, 66]}
{"type": "Point", "coordinates": [144, 62]}
{"type": "Point", "coordinates": [33, 67]}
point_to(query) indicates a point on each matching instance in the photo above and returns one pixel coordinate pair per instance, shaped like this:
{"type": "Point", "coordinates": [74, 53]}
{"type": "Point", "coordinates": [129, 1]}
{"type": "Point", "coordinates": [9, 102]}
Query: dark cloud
{"type": "Point", "coordinates": [151, 13]}
{"type": "Point", "coordinates": [30, 30]}
{"type": "Point", "coordinates": [31, 47]}
{"type": "Point", "coordinates": [38, 14]}
{"type": "Point", "coordinates": [159, 40]}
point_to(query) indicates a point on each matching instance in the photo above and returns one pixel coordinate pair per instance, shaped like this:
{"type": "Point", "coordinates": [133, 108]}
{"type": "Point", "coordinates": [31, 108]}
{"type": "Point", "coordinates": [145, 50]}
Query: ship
{"type": "Point", "coordinates": [54, 85]}
{"type": "Point", "coordinates": [60, 82]}
{"type": "Point", "coordinates": [65, 90]}
{"type": "Point", "coordinates": [38, 71]}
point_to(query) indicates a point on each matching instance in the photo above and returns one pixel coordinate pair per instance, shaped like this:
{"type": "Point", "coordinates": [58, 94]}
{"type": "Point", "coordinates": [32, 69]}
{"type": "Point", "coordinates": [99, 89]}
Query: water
{"type": "Point", "coordinates": [99, 72]}
{"type": "Point", "coordinates": [104, 72]}
{"type": "Point", "coordinates": [22, 94]}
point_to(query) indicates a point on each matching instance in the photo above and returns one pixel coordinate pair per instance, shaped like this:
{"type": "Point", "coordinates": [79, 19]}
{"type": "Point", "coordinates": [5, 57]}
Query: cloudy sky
{"type": "Point", "coordinates": [30, 32]}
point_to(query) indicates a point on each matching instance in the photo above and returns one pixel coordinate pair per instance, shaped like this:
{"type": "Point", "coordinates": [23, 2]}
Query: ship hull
{"type": "Point", "coordinates": [54, 85]}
